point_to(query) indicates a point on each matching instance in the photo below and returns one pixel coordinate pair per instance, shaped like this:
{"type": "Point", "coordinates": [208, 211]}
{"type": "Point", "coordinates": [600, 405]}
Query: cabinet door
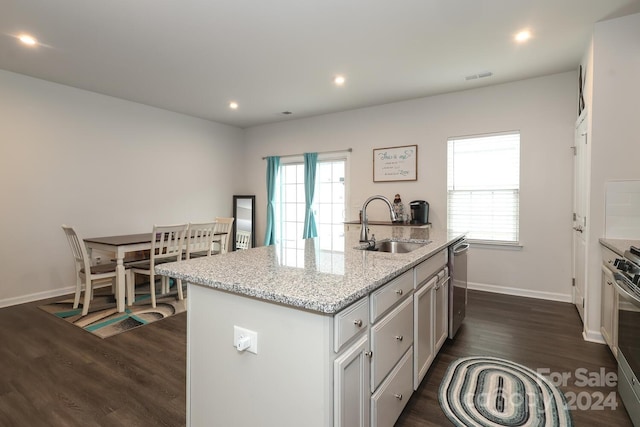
{"type": "Point", "coordinates": [441, 321]}
{"type": "Point", "coordinates": [351, 386]}
{"type": "Point", "coordinates": [423, 339]}
{"type": "Point", "coordinates": [608, 311]}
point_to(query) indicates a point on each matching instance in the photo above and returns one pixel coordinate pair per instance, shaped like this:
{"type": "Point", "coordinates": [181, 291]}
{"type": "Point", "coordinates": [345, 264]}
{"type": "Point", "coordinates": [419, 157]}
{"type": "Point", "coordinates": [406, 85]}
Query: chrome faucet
{"type": "Point", "coordinates": [365, 222]}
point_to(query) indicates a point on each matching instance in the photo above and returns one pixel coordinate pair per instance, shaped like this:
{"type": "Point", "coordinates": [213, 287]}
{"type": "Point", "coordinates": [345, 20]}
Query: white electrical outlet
{"type": "Point", "coordinates": [240, 336]}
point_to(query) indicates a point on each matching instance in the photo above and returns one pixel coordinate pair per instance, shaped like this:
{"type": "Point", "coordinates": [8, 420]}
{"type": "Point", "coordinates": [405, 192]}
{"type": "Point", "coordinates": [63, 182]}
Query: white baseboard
{"type": "Point", "coordinates": [37, 296]}
{"type": "Point", "coordinates": [551, 296]}
{"type": "Point", "coordinates": [593, 336]}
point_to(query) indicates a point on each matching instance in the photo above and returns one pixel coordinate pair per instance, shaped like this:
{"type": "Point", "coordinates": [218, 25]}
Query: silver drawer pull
{"type": "Point", "coordinates": [358, 323]}
{"type": "Point", "coordinates": [399, 337]}
{"type": "Point", "coordinates": [398, 396]}
{"type": "Point", "coordinates": [399, 291]}
{"type": "Point", "coordinates": [368, 353]}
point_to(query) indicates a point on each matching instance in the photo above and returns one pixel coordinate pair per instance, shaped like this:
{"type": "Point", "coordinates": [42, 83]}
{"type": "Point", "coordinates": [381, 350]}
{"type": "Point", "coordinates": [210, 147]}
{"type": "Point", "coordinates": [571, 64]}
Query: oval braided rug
{"type": "Point", "coordinates": [493, 392]}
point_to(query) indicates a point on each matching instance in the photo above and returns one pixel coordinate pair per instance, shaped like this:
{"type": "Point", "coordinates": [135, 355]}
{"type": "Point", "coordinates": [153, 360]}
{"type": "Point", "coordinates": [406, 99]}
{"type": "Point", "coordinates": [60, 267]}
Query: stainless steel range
{"type": "Point", "coordinates": [627, 278]}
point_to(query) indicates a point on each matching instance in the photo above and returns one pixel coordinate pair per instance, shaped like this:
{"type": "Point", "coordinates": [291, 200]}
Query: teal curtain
{"type": "Point", "coordinates": [310, 163]}
{"type": "Point", "coordinates": [273, 166]}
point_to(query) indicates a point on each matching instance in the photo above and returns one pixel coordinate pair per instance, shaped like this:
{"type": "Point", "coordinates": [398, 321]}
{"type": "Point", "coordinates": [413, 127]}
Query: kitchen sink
{"type": "Point", "coordinates": [396, 247]}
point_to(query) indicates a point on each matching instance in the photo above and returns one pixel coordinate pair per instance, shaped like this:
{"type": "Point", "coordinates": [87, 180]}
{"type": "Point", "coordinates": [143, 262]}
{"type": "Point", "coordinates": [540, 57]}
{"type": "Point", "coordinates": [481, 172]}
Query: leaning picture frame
{"type": "Point", "coordinates": [395, 163]}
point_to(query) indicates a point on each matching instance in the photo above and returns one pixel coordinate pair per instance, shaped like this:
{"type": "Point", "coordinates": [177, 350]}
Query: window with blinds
{"type": "Point", "coordinates": [483, 187]}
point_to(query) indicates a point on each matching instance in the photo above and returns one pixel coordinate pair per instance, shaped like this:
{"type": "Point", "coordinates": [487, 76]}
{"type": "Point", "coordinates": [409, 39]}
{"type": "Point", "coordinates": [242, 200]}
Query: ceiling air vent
{"type": "Point", "coordinates": [479, 76]}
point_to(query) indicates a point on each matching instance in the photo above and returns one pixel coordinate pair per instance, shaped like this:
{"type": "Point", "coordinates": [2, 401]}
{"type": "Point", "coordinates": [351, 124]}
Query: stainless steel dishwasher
{"type": "Point", "coordinates": [457, 284]}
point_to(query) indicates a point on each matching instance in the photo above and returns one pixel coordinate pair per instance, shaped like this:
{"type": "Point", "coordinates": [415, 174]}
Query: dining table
{"type": "Point", "coordinates": [122, 245]}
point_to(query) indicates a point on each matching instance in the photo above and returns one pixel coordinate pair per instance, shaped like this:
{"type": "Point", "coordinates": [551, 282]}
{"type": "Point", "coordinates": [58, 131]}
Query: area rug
{"type": "Point", "coordinates": [104, 321]}
{"type": "Point", "coordinates": [489, 391]}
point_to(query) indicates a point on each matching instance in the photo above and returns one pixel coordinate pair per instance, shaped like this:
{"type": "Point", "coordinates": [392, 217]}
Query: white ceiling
{"type": "Point", "coordinates": [195, 56]}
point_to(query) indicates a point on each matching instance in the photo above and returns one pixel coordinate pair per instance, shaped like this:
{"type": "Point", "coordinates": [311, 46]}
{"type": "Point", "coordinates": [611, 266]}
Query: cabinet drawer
{"type": "Point", "coordinates": [388, 402]}
{"type": "Point", "coordinates": [431, 266]}
{"type": "Point", "coordinates": [390, 339]}
{"type": "Point", "coordinates": [608, 257]}
{"type": "Point", "coordinates": [390, 294]}
{"type": "Point", "coordinates": [349, 322]}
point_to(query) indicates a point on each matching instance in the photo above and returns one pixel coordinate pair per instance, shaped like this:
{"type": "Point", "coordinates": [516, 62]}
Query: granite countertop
{"type": "Point", "coordinates": [619, 245]}
{"type": "Point", "coordinates": [305, 275]}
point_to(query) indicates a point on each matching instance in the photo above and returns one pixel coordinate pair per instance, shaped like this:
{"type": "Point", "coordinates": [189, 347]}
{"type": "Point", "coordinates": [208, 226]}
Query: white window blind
{"type": "Point", "coordinates": [483, 183]}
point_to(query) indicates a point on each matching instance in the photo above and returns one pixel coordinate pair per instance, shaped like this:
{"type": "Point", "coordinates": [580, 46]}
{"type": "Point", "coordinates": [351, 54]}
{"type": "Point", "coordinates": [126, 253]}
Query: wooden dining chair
{"type": "Point", "coordinates": [243, 240]}
{"type": "Point", "coordinates": [223, 234]}
{"type": "Point", "coordinates": [87, 274]}
{"type": "Point", "coordinates": [166, 247]}
{"type": "Point", "coordinates": [199, 239]}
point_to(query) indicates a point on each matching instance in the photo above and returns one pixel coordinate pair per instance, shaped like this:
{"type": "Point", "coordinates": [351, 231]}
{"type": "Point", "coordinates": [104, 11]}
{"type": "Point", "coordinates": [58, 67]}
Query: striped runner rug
{"type": "Point", "coordinates": [489, 391]}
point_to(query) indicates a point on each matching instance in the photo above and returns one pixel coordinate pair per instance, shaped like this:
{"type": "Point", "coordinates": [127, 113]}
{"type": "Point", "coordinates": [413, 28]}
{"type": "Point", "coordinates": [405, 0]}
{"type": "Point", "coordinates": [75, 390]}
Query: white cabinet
{"type": "Point", "coordinates": [441, 312]}
{"type": "Point", "coordinates": [431, 311]}
{"type": "Point", "coordinates": [430, 267]}
{"type": "Point", "coordinates": [391, 345]}
{"type": "Point", "coordinates": [351, 385]}
{"type": "Point", "coordinates": [390, 339]}
{"type": "Point", "coordinates": [423, 331]}
{"type": "Point", "coordinates": [390, 294]}
{"type": "Point", "coordinates": [350, 322]}
{"type": "Point", "coordinates": [609, 302]}
{"type": "Point", "coordinates": [392, 396]}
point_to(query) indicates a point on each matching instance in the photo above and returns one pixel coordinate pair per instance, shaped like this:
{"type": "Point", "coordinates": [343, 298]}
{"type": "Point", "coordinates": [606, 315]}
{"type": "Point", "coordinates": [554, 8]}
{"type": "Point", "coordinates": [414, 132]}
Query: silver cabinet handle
{"type": "Point", "coordinates": [399, 291]}
{"type": "Point", "coordinates": [398, 396]}
{"type": "Point", "coordinates": [358, 323]}
{"type": "Point", "coordinates": [399, 337]}
{"type": "Point", "coordinates": [368, 353]}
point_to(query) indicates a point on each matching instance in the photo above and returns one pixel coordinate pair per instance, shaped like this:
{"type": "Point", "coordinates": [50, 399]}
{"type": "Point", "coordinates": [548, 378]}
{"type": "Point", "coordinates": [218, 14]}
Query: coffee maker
{"type": "Point", "coordinates": [419, 212]}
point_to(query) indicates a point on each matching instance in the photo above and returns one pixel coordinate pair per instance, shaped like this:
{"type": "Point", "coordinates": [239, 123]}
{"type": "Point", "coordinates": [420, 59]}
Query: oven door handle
{"type": "Point", "coordinates": [623, 288]}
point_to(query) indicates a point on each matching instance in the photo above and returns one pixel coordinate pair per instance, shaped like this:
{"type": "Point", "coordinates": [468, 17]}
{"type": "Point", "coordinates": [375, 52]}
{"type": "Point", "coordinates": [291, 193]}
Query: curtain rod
{"type": "Point", "coordinates": [349, 150]}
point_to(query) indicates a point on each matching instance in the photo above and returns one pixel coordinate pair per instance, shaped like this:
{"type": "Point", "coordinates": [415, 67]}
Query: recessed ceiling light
{"type": "Point", "coordinates": [339, 80]}
{"type": "Point", "coordinates": [27, 39]}
{"type": "Point", "coordinates": [233, 105]}
{"type": "Point", "coordinates": [523, 36]}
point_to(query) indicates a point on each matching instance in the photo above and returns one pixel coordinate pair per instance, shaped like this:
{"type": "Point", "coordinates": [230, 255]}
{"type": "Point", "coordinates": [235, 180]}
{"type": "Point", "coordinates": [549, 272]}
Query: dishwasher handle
{"type": "Point", "coordinates": [462, 247]}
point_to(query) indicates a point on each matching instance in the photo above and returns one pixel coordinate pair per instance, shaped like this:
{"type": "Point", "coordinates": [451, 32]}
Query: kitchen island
{"type": "Point", "coordinates": [318, 317]}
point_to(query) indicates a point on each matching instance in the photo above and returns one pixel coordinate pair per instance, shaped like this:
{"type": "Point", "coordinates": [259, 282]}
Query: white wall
{"type": "Point", "coordinates": [543, 109]}
{"type": "Point", "coordinates": [104, 165]}
{"type": "Point", "coordinates": [615, 145]}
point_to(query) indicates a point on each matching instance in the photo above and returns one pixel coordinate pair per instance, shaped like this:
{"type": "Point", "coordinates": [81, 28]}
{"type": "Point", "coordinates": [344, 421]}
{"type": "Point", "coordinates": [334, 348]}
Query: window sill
{"type": "Point", "coordinates": [513, 246]}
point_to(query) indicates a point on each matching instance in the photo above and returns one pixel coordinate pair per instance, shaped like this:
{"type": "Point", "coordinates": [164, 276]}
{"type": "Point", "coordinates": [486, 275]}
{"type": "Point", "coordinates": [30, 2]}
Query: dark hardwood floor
{"type": "Point", "coordinates": [54, 374]}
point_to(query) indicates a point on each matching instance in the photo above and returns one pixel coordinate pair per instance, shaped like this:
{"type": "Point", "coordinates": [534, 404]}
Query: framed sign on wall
{"type": "Point", "coordinates": [395, 163]}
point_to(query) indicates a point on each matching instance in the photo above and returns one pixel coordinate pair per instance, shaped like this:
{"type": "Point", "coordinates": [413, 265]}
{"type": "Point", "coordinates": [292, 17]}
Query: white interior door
{"type": "Point", "coordinates": [580, 192]}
